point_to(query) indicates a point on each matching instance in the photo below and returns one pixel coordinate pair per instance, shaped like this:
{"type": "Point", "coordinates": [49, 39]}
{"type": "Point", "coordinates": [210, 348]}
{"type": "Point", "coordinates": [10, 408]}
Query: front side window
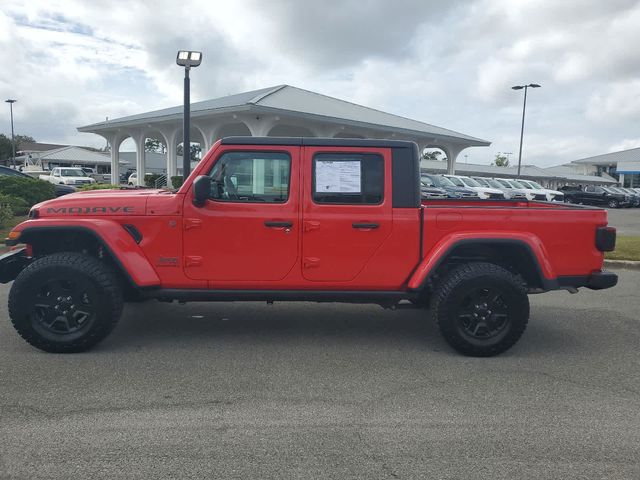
{"type": "Point", "coordinates": [348, 178]}
{"type": "Point", "coordinates": [251, 177]}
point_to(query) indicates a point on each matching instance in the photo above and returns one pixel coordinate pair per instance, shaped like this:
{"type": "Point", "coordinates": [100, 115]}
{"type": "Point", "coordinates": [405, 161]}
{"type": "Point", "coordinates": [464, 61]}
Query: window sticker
{"type": "Point", "coordinates": [338, 176]}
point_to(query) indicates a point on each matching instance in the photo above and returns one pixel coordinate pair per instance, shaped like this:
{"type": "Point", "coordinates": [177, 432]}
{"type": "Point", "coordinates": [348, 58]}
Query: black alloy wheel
{"type": "Point", "coordinates": [481, 309]}
{"type": "Point", "coordinates": [65, 302]}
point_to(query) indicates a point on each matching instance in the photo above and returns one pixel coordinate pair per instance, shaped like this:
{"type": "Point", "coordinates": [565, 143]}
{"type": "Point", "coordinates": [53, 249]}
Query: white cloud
{"type": "Point", "coordinates": [452, 64]}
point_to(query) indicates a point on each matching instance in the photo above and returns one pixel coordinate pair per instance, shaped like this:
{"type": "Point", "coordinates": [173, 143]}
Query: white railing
{"type": "Point", "coordinates": [161, 182]}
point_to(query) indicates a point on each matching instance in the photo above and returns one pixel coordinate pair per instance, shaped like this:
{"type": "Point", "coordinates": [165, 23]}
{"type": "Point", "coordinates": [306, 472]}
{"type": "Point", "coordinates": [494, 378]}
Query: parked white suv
{"type": "Point", "coordinates": [509, 193]}
{"type": "Point", "coordinates": [554, 194]}
{"type": "Point", "coordinates": [530, 193]}
{"type": "Point", "coordinates": [483, 192]}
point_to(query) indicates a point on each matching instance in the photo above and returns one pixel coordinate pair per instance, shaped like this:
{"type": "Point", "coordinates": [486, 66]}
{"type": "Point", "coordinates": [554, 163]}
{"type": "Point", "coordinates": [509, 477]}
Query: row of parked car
{"type": "Point", "coordinates": [612, 197]}
{"type": "Point", "coordinates": [434, 186]}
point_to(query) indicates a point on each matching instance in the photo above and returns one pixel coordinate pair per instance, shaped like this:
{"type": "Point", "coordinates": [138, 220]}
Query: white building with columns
{"type": "Point", "coordinates": [277, 111]}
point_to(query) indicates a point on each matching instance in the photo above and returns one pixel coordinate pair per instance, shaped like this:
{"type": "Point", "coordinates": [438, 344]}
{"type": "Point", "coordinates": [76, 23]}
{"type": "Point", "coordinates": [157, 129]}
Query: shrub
{"type": "Point", "coordinates": [18, 205]}
{"type": "Point", "coordinates": [177, 181]}
{"type": "Point", "coordinates": [31, 190]}
{"type": "Point", "coordinates": [6, 214]}
{"type": "Point", "coordinates": [99, 186]}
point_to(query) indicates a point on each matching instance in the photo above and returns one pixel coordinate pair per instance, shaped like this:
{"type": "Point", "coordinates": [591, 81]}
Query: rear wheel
{"type": "Point", "coordinates": [613, 203]}
{"type": "Point", "coordinates": [65, 302]}
{"type": "Point", "coordinates": [481, 309]}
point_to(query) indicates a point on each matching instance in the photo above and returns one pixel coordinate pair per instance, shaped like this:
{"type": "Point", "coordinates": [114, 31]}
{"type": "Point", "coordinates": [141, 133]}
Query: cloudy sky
{"type": "Point", "coordinates": [449, 63]}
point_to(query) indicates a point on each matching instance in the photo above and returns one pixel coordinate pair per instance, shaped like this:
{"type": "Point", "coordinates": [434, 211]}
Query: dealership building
{"type": "Point", "coordinates": [277, 111]}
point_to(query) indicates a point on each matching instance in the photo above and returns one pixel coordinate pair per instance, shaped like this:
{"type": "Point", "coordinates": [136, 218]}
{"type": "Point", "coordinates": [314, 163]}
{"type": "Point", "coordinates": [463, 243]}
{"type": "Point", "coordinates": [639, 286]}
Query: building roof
{"type": "Point", "coordinates": [76, 155]}
{"type": "Point", "coordinates": [37, 146]}
{"type": "Point", "coordinates": [298, 102]}
{"type": "Point", "coordinates": [631, 155]}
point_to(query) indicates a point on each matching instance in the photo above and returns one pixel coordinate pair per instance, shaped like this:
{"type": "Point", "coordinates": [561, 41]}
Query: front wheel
{"type": "Point", "coordinates": [481, 309]}
{"type": "Point", "coordinates": [613, 203]}
{"type": "Point", "coordinates": [65, 302]}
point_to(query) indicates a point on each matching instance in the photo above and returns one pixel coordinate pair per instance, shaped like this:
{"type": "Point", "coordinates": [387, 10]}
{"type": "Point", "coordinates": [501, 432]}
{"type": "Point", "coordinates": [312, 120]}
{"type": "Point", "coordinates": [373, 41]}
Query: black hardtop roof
{"type": "Point", "coordinates": [317, 142]}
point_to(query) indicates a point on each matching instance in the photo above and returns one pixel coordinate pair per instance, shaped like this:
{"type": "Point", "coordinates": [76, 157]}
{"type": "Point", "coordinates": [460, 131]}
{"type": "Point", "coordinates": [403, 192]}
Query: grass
{"type": "Point", "coordinates": [627, 248]}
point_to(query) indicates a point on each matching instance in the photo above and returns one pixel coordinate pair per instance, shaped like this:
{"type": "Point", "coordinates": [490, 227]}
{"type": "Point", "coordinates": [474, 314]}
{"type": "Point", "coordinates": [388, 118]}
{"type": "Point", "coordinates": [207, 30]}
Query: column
{"type": "Point", "coordinates": [140, 159]}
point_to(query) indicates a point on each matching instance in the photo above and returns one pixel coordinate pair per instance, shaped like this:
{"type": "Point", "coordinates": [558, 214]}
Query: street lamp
{"type": "Point", "coordinates": [524, 106]}
{"type": "Point", "coordinates": [11, 101]}
{"type": "Point", "coordinates": [187, 59]}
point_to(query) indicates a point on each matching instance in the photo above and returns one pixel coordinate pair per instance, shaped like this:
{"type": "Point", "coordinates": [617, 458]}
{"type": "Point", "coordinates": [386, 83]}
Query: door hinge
{"type": "Point", "coordinates": [310, 262]}
{"type": "Point", "coordinates": [190, 223]}
{"type": "Point", "coordinates": [192, 261]}
{"type": "Point", "coordinates": [310, 226]}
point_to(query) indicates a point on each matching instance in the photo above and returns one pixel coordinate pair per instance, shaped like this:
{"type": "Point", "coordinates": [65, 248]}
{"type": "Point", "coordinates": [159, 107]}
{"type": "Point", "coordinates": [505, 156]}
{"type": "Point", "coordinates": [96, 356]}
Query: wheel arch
{"type": "Point", "coordinates": [117, 244]}
{"type": "Point", "coordinates": [519, 255]}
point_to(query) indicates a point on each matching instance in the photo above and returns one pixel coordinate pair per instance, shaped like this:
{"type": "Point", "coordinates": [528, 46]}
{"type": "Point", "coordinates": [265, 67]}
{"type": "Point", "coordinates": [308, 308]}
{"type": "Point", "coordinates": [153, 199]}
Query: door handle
{"type": "Point", "coordinates": [365, 225]}
{"type": "Point", "coordinates": [272, 224]}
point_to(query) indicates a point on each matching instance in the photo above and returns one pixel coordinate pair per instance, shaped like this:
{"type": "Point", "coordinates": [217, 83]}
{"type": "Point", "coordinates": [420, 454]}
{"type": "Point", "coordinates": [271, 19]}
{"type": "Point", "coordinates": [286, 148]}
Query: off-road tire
{"type": "Point", "coordinates": [93, 281]}
{"type": "Point", "coordinates": [454, 297]}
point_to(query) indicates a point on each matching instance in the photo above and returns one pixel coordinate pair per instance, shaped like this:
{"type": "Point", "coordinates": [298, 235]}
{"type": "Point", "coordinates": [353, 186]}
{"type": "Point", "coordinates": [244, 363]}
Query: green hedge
{"type": "Point", "coordinates": [177, 181]}
{"type": "Point", "coordinates": [6, 214]}
{"type": "Point", "coordinates": [31, 190]}
{"type": "Point", "coordinates": [18, 205]}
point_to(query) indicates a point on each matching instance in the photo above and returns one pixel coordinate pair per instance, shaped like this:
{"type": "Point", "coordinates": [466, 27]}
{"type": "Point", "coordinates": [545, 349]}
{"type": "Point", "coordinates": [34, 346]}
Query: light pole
{"type": "Point", "coordinates": [524, 107]}
{"type": "Point", "coordinates": [11, 101]}
{"type": "Point", "coordinates": [187, 59]}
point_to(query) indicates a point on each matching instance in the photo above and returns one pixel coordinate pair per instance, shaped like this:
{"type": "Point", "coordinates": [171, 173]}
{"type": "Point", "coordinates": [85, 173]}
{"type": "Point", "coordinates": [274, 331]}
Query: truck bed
{"type": "Point", "coordinates": [561, 235]}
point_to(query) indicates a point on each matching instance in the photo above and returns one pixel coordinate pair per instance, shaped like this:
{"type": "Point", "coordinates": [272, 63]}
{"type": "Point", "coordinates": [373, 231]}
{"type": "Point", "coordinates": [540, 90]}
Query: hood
{"type": "Point", "coordinates": [98, 203]}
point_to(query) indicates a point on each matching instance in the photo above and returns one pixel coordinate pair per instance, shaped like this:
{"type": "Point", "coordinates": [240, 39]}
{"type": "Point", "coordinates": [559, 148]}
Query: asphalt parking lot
{"type": "Point", "coordinates": [328, 391]}
{"type": "Point", "coordinates": [626, 220]}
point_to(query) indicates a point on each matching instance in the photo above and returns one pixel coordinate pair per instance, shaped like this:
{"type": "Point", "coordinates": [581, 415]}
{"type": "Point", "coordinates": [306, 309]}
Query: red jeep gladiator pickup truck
{"type": "Point", "coordinates": [305, 219]}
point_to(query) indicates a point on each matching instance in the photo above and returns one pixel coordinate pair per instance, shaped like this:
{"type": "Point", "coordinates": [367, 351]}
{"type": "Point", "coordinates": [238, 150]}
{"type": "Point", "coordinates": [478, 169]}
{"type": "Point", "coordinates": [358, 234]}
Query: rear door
{"type": "Point", "coordinates": [248, 230]}
{"type": "Point", "coordinates": [346, 209]}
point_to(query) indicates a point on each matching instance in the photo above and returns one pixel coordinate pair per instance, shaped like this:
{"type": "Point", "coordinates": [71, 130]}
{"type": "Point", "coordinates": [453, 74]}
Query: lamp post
{"type": "Point", "coordinates": [11, 101]}
{"type": "Point", "coordinates": [187, 59]}
{"type": "Point", "coordinates": [524, 107]}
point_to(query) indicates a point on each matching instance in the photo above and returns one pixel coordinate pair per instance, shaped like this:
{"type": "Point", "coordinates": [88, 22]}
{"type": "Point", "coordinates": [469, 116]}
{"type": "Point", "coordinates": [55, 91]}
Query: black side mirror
{"type": "Point", "coordinates": [201, 190]}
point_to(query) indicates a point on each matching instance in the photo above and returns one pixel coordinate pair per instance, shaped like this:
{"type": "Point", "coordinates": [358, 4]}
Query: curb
{"type": "Point", "coordinates": [628, 264]}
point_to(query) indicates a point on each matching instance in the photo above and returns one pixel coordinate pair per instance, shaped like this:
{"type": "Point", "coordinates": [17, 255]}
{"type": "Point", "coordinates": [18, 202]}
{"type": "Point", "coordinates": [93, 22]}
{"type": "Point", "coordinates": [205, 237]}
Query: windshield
{"type": "Point", "coordinates": [482, 181]}
{"type": "Point", "coordinates": [525, 184]}
{"type": "Point", "coordinates": [427, 182]}
{"type": "Point", "coordinates": [516, 184]}
{"type": "Point", "coordinates": [535, 185]}
{"type": "Point", "coordinates": [470, 182]}
{"type": "Point", "coordinates": [439, 181]}
{"type": "Point", "coordinates": [493, 183]}
{"type": "Point", "coordinates": [504, 183]}
{"type": "Point", "coordinates": [72, 172]}
{"type": "Point", "coordinates": [456, 181]}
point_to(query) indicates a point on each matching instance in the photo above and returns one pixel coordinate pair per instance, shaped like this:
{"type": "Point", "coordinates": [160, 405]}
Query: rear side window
{"type": "Point", "coordinates": [348, 178]}
{"type": "Point", "coordinates": [260, 177]}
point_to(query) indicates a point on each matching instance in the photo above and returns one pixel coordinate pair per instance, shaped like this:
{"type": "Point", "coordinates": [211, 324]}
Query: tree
{"type": "Point", "coordinates": [195, 152]}
{"type": "Point", "coordinates": [500, 161]}
{"type": "Point", "coordinates": [154, 145]}
{"type": "Point", "coordinates": [5, 145]}
{"type": "Point", "coordinates": [434, 155]}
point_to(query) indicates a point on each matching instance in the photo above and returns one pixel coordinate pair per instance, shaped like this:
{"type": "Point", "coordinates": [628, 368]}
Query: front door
{"type": "Point", "coordinates": [248, 230]}
{"type": "Point", "coordinates": [347, 212]}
